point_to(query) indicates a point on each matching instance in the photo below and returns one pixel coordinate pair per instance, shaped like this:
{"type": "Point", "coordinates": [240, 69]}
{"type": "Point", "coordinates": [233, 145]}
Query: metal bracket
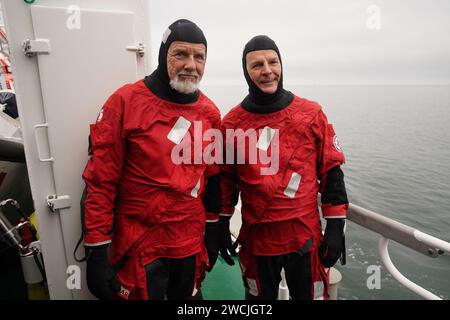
{"type": "Point", "coordinates": [33, 47]}
{"type": "Point", "coordinates": [139, 49]}
{"type": "Point", "coordinates": [55, 202]}
{"type": "Point", "coordinates": [36, 245]}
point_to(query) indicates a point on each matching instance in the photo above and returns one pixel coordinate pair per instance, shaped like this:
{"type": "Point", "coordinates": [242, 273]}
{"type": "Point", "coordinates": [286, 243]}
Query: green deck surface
{"type": "Point", "coordinates": [224, 282]}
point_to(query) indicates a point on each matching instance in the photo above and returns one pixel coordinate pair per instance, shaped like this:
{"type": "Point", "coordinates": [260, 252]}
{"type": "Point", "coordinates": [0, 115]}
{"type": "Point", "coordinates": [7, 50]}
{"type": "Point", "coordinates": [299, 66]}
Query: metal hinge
{"type": "Point", "coordinates": [55, 202]}
{"type": "Point", "coordinates": [33, 47]}
{"type": "Point", "coordinates": [139, 49]}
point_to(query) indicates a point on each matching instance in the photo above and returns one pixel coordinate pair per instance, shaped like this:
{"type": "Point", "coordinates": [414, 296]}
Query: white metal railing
{"type": "Point", "coordinates": [390, 229]}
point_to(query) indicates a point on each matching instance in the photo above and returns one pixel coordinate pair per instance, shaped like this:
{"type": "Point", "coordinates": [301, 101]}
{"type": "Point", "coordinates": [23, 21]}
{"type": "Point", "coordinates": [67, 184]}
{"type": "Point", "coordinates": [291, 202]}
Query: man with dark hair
{"type": "Point", "coordinates": [144, 215]}
{"type": "Point", "coordinates": [281, 226]}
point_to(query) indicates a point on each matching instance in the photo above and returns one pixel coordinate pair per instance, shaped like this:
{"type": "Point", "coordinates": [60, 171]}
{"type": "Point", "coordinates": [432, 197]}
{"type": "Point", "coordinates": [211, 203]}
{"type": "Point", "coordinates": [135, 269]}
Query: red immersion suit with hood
{"type": "Point", "coordinates": [281, 226]}
{"type": "Point", "coordinates": [139, 201]}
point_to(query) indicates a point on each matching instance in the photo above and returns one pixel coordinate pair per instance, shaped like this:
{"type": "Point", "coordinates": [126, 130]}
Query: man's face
{"type": "Point", "coordinates": [264, 68]}
{"type": "Point", "coordinates": [185, 65]}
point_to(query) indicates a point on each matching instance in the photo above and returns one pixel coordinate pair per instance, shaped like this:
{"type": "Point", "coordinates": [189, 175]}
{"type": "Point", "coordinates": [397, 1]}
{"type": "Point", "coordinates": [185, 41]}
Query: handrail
{"type": "Point", "coordinates": [386, 260]}
{"type": "Point", "coordinates": [389, 229]}
{"type": "Point", "coordinates": [403, 234]}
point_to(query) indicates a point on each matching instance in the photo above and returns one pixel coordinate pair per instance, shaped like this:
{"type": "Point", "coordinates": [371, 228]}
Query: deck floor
{"type": "Point", "coordinates": [224, 282]}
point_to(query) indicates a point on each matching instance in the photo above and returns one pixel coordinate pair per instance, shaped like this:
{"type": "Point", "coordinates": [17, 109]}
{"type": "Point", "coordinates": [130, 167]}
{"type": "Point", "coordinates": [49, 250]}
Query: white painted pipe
{"type": "Point", "coordinates": [386, 260]}
{"type": "Point", "coordinates": [432, 241]}
{"type": "Point", "coordinates": [283, 292]}
{"type": "Point", "coordinates": [335, 279]}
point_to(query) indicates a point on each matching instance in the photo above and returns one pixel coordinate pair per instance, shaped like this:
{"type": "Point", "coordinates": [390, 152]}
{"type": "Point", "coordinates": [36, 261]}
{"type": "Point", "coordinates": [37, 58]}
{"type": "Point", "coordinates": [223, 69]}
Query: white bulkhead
{"type": "Point", "coordinates": [79, 53]}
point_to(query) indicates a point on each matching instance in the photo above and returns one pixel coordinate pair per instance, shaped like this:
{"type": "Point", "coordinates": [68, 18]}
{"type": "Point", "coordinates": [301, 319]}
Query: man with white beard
{"type": "Point", "coordinates": [145, 216]}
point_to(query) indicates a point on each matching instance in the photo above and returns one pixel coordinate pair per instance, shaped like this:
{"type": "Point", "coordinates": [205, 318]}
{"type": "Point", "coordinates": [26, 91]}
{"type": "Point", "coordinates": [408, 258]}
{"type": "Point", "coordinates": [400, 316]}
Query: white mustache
{"type": "Point", "coordinates": [188, 74]}
{"type": "Point", "coordinates": [185, 86]}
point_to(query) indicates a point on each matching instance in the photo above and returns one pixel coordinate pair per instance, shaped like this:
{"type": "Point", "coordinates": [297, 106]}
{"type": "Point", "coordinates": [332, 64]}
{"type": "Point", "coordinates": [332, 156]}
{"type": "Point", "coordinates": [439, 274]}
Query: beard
{"type": "Point", "coordinates": [185, 86]}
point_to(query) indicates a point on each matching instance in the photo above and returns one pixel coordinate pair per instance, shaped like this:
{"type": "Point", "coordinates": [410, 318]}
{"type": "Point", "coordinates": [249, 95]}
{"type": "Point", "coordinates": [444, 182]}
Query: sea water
{"type": "Point", "coordinates": [396, 141]}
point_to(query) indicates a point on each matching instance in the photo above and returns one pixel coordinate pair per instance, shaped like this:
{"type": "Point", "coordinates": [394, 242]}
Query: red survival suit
{"type": "Point", "coordinates": [279, 211]}
{"type": "Point", "coordinates": [159, 212]}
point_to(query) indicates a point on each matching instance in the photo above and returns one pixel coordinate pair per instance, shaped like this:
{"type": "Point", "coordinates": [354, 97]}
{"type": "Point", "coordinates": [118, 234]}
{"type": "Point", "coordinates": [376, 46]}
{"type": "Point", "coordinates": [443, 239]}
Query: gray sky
{"type": "Point", "coordinates": [322, 41]}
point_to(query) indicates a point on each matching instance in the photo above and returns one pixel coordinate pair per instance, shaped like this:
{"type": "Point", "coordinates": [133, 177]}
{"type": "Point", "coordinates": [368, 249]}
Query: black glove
{"type": "Point", "coordinates": [101, 279]}
{"type": "Point", "coordinates": [332, 246]}
{"type": "Point", "coordinates": [218, 240]}
{"type": "Point", "coordinates": [212, 242]}
{"type": "Point", "coordinates": [225, 244]}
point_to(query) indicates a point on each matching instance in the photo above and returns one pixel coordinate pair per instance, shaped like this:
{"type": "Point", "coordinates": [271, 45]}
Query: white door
{"type": "Point", "coordinates": [87, 62]}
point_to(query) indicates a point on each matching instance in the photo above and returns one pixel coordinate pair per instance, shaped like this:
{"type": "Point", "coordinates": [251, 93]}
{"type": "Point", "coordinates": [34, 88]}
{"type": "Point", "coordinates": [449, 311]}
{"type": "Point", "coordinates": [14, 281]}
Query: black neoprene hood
{"type": "Point", "coordinates": [181, 30]}
{"type": "Point", "coordinates": [158, 82]}
{"type": "Point", "coordinates": [257, 101]}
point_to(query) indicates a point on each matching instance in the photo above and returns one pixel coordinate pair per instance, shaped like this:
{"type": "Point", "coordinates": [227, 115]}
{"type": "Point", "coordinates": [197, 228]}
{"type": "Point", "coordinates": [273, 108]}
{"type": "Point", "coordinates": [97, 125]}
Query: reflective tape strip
{"type": "Point", "coordinates": [252, 287]}
{"type": "Point", "coordinates": [194, 191]}
{"type": "Point", "coordinates": [3, 84]}
{"type": "Point", "coordinates": [265, 138]}
{"type": "Point", "coordinates": [194, 292]}
{"type": "Point", "coordinates": [242, 267]}
{"type": "Point", "coordinates": [166, 35]}
{"type": "Point", "coordinates": [318, 290]}
{"type": "Point", "coordinates": [97, 244]}
{"type": "Point", "coordinates": [179, 130]}
{"type": "Point", "coordinates": [226, 214]}
{"type": "Point", "coordinates": [293, 185]}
